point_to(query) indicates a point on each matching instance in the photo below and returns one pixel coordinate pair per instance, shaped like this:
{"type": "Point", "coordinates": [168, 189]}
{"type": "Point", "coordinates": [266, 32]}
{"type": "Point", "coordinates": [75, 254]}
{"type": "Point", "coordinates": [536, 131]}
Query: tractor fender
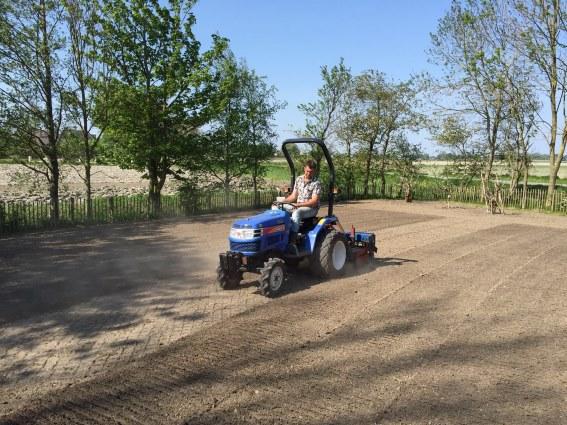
{"type": "Point", "coordinates": [319, 230]}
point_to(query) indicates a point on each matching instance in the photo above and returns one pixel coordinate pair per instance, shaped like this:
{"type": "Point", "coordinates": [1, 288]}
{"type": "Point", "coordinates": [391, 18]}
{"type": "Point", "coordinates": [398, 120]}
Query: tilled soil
{"type": "Point", "coordinates": [460, 320]}
{"type": "Point", "coordinates": [18, 183]}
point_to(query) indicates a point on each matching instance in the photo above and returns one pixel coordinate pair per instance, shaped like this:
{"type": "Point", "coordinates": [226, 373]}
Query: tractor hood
{"type": "Point", "coordinates": [266, 219]}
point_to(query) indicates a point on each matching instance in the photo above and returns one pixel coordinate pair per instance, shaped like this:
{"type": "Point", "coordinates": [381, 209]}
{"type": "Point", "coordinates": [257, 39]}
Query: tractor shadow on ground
{"type": "Point", "coordinates": [390, 261]}
{"type": "Point", "coordinates": [301, 278]}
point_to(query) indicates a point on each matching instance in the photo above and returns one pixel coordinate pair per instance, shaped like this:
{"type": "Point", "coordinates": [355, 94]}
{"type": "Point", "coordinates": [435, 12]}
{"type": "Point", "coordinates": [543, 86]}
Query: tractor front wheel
{"type": "Point", "coordinates": [272, 277]}
{"type": "Point", "coordinates": [226, 281]}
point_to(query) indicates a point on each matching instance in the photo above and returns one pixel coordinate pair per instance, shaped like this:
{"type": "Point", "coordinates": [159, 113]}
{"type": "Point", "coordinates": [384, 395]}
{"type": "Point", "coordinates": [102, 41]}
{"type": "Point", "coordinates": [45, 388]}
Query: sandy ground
{"type": "Point", "coordinates": [461, 319]}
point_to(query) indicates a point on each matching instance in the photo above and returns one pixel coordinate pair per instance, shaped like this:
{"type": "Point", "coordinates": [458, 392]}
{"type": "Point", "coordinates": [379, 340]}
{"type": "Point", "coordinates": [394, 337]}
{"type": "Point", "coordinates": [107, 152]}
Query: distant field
{"type": "Point", "coordinates": [539, 168]}
{"type": "Point", "coordinates": [278, 171]}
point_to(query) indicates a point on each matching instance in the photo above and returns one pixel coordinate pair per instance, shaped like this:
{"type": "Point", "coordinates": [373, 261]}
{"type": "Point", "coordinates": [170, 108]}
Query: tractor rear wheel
{"type": "Point", "coordinates": [272, 277]}
{"type": "Point", "coordinates": [226, 281]}
{"type": "Point", "coordinates": [331, 254]}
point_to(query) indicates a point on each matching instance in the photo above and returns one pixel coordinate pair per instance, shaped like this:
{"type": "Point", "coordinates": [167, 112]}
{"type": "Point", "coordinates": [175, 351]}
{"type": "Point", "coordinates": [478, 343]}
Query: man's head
{"type": "Point", "coordinates": [309, 169]}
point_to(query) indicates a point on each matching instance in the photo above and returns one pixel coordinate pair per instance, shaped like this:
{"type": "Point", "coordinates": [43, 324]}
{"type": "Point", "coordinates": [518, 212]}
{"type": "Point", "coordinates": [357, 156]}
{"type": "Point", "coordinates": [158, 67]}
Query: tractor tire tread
{"type": "Point", "coordinates": [224, 281]}
{"type": "Point", "coordinates": [323, 255]}
{"type": "Point", "coordinates": [264, 278]}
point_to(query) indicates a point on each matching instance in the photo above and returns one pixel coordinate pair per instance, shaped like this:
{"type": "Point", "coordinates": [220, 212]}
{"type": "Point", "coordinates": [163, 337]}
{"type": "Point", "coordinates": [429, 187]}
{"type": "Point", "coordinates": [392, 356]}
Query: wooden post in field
{"type": "Point", "coordinates": [2, 215]}
{"type": "Point", "coordinates": [72, 207]}
{"type": "Point", "coordinates": [111, 208]}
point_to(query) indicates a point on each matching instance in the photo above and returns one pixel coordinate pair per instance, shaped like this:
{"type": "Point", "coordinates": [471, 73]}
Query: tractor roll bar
{"type": "Point", "coordinates": [327, 157]}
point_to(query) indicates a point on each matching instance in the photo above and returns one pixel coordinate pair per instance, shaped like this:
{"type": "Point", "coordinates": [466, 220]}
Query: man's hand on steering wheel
{"type": "Point", "coordinates": [280, 204]}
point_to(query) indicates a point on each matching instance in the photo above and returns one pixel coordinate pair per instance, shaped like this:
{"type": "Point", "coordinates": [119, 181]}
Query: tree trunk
{"type": "Point", "coordinates": [52, 154]}
{"type": "Point", "coordinates": [367, 171]}
{"type": "Point", "coordinates": [383, 165]}
{"type": "Point", "coordinates": [255, 185]}
{"type": "Point", "coordinates": [155, 199]}
{"type": "Point", "coordinates": [87, 167]}
{"type": "Point", "coordinates": [383, 174]}
{"type": "Point", "coordinates": [551, 187]}
{"type": "Point", "coordinates": [88, 185]}
{"type": "Point", "coordinates": [54, 190]}
{"type": "Point", "coordinates": [86, 144]}
{"type": "Point", "coordinates": [525, 187]}
{"type": "Point", "coordinates": [350, 173]}
{"type": "Point", "coordinates": [514, 179]}
{"type": "Point", "coordinates": [553, 129]}
{"type": "Point", "coordinates": [554, 166]}
{"type": "Point", "coordinates": [154, 189]}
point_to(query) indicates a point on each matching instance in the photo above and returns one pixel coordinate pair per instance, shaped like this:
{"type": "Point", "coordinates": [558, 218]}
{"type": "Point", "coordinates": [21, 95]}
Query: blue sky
{"type": "Point", "coordinates": [288, 41]}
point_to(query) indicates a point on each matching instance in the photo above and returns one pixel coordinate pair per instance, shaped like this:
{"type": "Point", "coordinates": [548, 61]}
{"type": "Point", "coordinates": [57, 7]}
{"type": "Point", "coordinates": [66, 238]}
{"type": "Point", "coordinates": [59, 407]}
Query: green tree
{"type": "Point", "coordinates": [261, 105]}
{"type": "Point", "coordinates": [405, 160]}
{"type": "Point", "coordinates": [384, 111]}
{"type": "Point", "coordinates": [346, 132]}
{"type": "Point", "coordinates": [239, 141]}
{"type": "Point", "coordinates": [32, 86]}
{"type": "Point", "coordinates": [89, 80]}
{"type": "Point", "coordinates": [472, 43]}
{"type": "Point", "coordinates": [163, 87]}
{"type": "Point", "coordinates": [541, 27]}
{"type": "Point", "coordinates": [322, 115]}
{"type": "Point", "coordinates": [465, 152]}
{"type": "Point", "coordinates": [519, 129]}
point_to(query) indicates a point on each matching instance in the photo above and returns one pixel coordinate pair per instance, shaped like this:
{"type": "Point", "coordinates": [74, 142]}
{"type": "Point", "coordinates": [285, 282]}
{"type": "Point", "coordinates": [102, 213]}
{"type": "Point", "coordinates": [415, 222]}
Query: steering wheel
{"type": "Point", "coordinates": [280, 204]}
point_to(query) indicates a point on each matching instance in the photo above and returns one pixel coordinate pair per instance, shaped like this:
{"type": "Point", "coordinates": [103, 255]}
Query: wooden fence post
{"type": "Point", "coordinates": [111, 208]}
{"type": "Point", "coordinates": [2, 216]}
{"type": "Point", "coordinates": [72, 207]}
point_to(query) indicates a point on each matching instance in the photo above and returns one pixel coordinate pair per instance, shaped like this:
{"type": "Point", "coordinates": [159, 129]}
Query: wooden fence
{"type": "Point", "coordinates": [29, 216]}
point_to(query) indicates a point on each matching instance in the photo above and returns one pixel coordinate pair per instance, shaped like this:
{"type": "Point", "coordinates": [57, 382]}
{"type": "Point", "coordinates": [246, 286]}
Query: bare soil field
{"type": "Point", "coordinates": [460, 320]}
{"type": "Point", "coordinates": [19, 183]}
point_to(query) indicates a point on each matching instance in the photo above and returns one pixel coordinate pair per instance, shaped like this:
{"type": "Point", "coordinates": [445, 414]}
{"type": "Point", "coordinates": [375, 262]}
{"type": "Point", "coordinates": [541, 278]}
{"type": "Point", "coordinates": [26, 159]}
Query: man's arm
{"type": "Point", "coordinates": [292, 197]}
{"type": "Point", "coordinates": [312, 203]}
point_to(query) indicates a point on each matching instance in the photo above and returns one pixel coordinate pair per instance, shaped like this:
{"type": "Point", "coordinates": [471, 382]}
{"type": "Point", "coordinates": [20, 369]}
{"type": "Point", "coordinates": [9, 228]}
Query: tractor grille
{"type": "Point", "coordinates": [245, 246]}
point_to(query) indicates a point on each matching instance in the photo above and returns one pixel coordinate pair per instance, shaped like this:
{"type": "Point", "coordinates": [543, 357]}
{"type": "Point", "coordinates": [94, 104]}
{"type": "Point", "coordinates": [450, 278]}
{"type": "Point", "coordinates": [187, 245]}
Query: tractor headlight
{"type": "Point", "coordinates": [244, 233]}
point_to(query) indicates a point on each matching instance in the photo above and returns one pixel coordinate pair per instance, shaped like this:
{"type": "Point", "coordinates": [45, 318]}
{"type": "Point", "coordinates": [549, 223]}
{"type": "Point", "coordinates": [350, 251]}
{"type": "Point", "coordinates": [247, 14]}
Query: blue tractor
{"type": "Point", "coordinates": [261, 243]}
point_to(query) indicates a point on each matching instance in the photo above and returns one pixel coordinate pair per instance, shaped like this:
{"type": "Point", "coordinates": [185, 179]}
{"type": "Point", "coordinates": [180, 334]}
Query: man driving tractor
{"type": "Point", "coordinates": [268, 243]}
{"type": "Point", "coordinates": [304, 199]}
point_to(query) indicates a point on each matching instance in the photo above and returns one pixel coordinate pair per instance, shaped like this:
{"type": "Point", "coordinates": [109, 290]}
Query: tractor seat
{"type": "Point", "coordinates": [308, 224]}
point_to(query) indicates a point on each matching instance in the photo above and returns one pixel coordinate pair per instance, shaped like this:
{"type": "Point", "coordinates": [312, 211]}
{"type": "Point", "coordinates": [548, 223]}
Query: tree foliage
{"type": "Point", "coordinates": [163, 86]}
{"type": "Point", "coordinates": [456, 137]}
{"type": "Point", "coordinates": [32, 84]}
{"type": "Point", "coordinates": [542, 39]}
{"type": "Point", "coordinates": [322, 115]}
{"type": "Point", "coordinates": [240, 138]}
{"type": "Point", "coordinates": [470, 44]}
{"type": "Point", "coordinates": [87, 94]}
{"type": "Point", "coordinates": [405, 160]}
{"type": "Point", "coordinates": [383, 111]}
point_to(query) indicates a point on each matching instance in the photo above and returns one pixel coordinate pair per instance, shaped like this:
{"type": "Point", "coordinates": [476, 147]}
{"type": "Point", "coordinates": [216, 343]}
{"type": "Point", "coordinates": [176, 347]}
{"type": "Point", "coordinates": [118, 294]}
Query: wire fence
{"type": "Point", "coordinates": [29, 216]}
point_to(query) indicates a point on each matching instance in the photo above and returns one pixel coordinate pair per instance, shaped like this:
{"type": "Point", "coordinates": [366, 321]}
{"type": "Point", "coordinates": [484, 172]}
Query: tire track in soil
{"type": "Point", "coordinates": [359, 353]}
{"type": "Point", "coordinates": [240, 332]}
{"type": "Point", "coordinates": [265, 338]}
{"type": "Point", "coordinates": [357, 397]}
{"type": "Point", "coordinates": [511, 362]}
